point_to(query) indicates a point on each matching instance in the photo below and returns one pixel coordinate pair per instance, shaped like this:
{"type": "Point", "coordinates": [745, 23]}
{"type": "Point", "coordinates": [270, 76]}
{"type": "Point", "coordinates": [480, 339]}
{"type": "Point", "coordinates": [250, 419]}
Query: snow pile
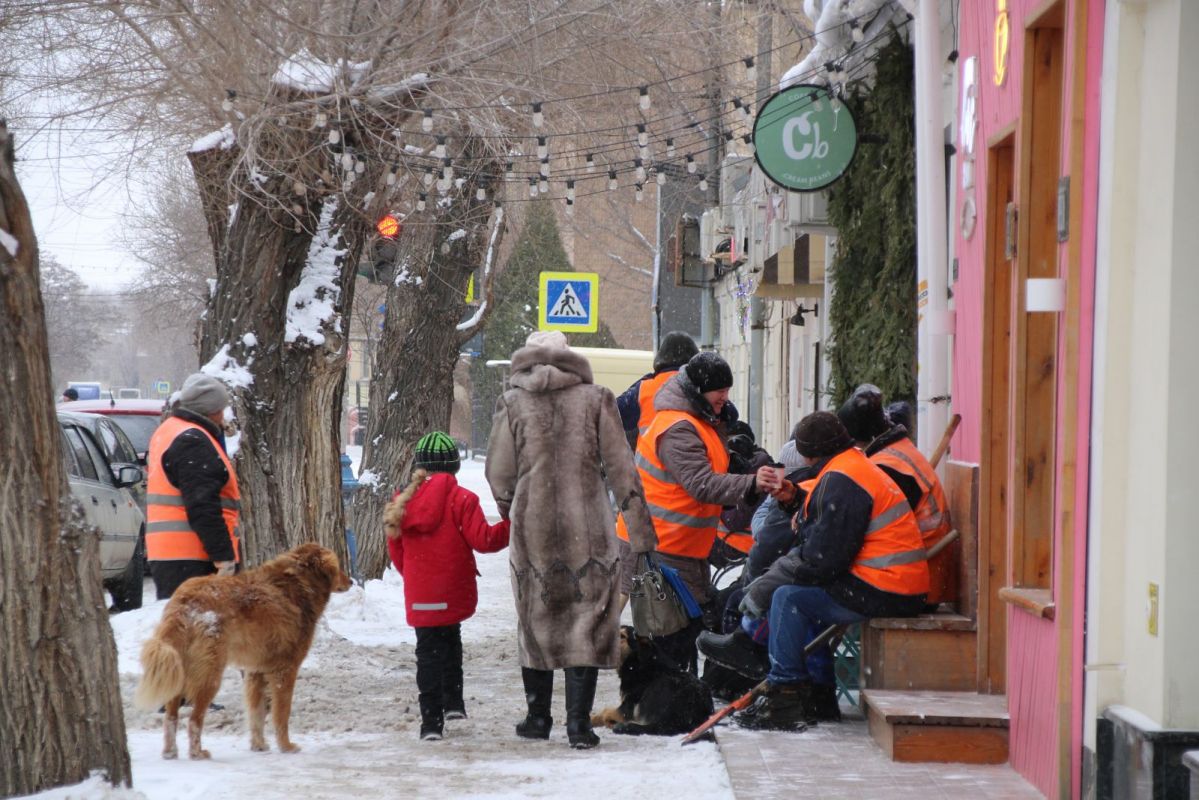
{"type": "Point", "coordinates": [834, 36]}
{"type": "Point", "coordinates": [305, 72]}
{"type": "Point", "coordinates": [225, 367]}
{"type": "Point", "coordinates": [223, 139]}
{"type": "Point", "coordinates": [312, 304]}
{"type": "Point", "coordinates": [9, 242]}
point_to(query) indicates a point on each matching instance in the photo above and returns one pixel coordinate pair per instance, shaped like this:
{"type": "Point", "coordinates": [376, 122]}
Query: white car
{"type": "Point", "coordinates": [103, 491]}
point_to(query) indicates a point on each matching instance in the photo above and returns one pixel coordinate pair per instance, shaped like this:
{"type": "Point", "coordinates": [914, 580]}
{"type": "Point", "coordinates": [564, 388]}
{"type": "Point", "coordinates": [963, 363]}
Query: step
{"type": "Point", "coordinates": [951, 727]}
{"type": "Point", "coordinates": [935, 652]}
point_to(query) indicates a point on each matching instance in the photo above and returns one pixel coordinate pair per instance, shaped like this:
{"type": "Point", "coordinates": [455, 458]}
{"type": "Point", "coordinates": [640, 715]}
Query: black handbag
{"type": "Point", "coordinates": [657, 609]}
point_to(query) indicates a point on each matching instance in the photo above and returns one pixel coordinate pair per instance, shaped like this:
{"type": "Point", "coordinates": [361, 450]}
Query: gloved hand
{"type": "Point", "coordinates": [225, 567]}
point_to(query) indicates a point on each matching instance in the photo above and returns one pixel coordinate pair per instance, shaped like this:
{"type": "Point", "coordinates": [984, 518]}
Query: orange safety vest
{"type": "Point", "coordinates": [738, 540]}
{"type": "Point", "coordinates": [169, 536]}
{"type": "Point", "coordinates": [684, 525]}
{"type": "Point", "coordinates": [645, 398]}
{"type": "Point", "coordinates": [932, 514]}
{"type": "Point", "coordinates": [892, 557]}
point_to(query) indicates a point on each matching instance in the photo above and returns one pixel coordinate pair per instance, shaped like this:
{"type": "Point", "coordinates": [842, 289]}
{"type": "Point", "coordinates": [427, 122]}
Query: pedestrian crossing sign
{"type": "Point", "coordinates": [569, 302]}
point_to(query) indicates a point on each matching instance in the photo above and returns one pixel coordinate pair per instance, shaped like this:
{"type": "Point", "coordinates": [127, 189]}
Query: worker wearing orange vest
{"type": "Point", "coordinates": [860, 555]}
{"type": "Point", "coordinates": [683, 466]}
{"type": "Point", "coordinates": [192, 498]}
{"type": "Point", "coordinates": [888, 446]}
{"type": "Point", "coordinates": [636, 403]}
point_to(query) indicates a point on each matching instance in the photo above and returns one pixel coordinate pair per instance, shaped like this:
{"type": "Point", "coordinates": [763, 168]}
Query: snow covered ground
{"type": "Point", "coordinates": [355, 716]}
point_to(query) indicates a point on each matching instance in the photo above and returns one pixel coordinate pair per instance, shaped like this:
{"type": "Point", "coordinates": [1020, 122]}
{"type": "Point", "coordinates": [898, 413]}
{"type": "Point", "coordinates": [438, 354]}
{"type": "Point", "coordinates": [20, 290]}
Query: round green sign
{"type": "Point", "coordinates": [804, 139]}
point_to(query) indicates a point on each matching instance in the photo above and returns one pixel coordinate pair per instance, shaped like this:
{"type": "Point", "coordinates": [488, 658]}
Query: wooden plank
{"type": "Point", "coordinates": [949, 744]}
{"type": "Point", "coordinates": [939, 708]}
{"type": "Point", "coordinates": [961, 492]}
{"type": "Point", "coordinates": [881, 732]}
{"type": "Point", "coordinates": [925, 622]}
{"type": "Point", "coordinates": [918, 659]}
{"type": "Point", "coordinates": [1038, 602]}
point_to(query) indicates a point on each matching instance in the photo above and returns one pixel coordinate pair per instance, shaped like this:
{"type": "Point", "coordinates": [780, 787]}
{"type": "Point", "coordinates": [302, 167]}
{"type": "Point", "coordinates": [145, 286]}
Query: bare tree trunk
{"type": "Point", "coordinates": [61, 713]}
{"type": "Point", "coordinates": [412, 385]}
{"type": "Point", "coordinates": [289, 398]}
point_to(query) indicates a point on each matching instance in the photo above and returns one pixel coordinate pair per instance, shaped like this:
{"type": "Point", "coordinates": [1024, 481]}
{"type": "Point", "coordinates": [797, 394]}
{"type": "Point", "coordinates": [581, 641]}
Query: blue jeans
{"type": "Point", "coordinates": [797, 616]}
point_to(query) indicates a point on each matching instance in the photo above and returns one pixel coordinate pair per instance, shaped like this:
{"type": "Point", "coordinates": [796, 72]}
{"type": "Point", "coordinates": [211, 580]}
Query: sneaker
{"type": "Point", "coordinates": [430, 733]}
{"type": "Point", "coordinates": [782, 708]}
{"type": "Point", "coordinates": [737, 652]}
{"type": "Point", "coordinates": [455, 713]}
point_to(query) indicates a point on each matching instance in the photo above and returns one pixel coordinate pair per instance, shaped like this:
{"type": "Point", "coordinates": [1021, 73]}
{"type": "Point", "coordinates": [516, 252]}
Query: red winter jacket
{"type": "Point", "coordinates": [441, 528]}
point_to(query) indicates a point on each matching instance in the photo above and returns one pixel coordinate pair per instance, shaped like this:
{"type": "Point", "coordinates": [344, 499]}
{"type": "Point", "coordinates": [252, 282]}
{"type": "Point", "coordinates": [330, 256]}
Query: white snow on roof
{"type": "Point", "coordinates": [312, 304]}
{"type": "Point", "coordinates": [225, 367]}
{"type": "Point", "coordinates": [224, 139]}
{"type": "Point", "coordinates": [305, 72]}
{"type": "Point", "coordinates": [9, 242]}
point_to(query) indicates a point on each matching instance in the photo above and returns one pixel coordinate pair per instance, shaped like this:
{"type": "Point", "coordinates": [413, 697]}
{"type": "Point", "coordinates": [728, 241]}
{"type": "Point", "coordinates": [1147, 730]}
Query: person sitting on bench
{"type": "Point", "coordinates": [859, 555]}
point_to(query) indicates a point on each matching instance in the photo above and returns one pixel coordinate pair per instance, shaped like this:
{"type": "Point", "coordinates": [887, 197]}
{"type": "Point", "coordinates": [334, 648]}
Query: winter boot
{"type": "Point", "coordinates": [432, 724]}
{"type": "Point", "coordinates": [539, 691]}
{"type": "Point", "coordinates": [580, 695]}
{"type": "Point", "coordinates": [736, 651]}
{"type": "Point", "coordinates": [824, 705]}
{"type": "Point", "coordinates": [784, 707]}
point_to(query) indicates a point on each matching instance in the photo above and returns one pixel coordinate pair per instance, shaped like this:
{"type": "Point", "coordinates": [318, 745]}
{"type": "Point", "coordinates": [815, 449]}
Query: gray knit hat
{"type": "Point", "coordinates": [203, 394]}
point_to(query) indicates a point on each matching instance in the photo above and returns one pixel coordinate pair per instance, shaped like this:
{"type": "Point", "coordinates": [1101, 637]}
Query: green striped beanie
{"type": "Point", "coordinates": [437, 452]}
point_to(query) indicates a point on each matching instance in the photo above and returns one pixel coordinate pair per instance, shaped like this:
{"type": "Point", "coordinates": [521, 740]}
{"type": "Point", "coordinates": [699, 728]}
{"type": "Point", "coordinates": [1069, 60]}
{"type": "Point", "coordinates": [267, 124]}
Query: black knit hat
{"type": "Point", "coordinates": [821, 434]}
{"type": "Point", "coordinates": [709, 372]}
{"type": "Point", "coordinates": [900, 413]}
{"type": "Point", "coordinates": [437, 452]}
{"type": "Point", "coordinates": [863, 415]}
{"type": "Point", "coordinates": [676, 349]}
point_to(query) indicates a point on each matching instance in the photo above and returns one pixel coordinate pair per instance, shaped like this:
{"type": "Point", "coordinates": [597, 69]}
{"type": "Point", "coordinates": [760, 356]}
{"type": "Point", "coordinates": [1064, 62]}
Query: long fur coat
{"type": "Point", "coordinates": [556, 436]}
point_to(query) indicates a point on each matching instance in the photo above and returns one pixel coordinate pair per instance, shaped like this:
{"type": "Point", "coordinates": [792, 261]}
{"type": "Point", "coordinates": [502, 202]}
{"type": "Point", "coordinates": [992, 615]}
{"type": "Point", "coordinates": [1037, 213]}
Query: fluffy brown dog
{"type": "Point", "coordinates": [262, 621]}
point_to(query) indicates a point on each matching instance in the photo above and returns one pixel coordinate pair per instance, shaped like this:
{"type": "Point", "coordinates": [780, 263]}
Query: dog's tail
{"type": "Point", "coordinates": [395, 509]}
{"type": "Point", "coordinates": [163, 675]}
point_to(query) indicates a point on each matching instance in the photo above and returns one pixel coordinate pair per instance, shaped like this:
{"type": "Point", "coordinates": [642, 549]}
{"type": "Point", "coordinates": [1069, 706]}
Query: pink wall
{"type": "Point", "coordinates": [1033, 644]}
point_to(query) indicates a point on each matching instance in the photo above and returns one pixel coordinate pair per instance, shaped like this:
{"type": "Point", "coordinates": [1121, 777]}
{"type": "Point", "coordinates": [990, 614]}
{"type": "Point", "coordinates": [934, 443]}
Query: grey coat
{"type": "Point", "coordinates": [554, 439]}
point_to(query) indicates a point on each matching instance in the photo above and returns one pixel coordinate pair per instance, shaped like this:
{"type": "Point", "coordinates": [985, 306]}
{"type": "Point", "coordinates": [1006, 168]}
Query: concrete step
{"type": "Point", "coordinates": [928, 726]}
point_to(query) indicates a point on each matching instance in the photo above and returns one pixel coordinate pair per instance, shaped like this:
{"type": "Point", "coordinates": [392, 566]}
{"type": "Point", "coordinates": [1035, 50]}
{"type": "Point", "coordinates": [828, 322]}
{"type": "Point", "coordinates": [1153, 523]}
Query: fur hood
{"type": "Point", "coordinates": [548, 369]}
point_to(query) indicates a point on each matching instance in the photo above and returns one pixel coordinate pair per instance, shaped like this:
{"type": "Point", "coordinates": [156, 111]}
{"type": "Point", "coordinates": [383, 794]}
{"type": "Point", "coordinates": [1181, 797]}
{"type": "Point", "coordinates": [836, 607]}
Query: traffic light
{"type": "Point", "coordinates": [379, 263]}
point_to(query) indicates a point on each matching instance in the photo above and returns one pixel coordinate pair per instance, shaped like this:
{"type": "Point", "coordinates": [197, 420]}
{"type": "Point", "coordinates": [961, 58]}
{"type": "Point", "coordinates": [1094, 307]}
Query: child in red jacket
{"type": "Point", "coordinates": [433, 528]}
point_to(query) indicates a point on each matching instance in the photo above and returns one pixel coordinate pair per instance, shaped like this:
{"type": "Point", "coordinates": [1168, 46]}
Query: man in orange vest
{"type": "Point", "coordinates": [192, 498]}
{"type": "Point", "coordinates": [684, 467]}
{"type": "Point", "coordinates": [636, 403]}
{"type": "Point", "coordinates": [887, 445]}
{"type": "Point", "coordinates": [860, 555]}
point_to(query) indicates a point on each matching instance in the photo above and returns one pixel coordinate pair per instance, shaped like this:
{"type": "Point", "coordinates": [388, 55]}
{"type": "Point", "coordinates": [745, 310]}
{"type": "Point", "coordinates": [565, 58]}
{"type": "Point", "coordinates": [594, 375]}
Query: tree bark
{"type": "Point", "coordinates": [412, 377]}
{"type": "Point", "coordinates": [61, 713]}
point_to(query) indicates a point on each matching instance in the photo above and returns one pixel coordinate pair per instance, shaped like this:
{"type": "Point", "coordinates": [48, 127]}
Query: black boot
{"type": "Point", "coordinates": [737, 651]}
{"type": "Point", "coordinates": [580, 694]}
{"type": "Point", "coordinates": [824, 705]}
{"type": "Point", "coordinates": [784, 707]}
{"type": "Point", "coordinates": [539, 690]}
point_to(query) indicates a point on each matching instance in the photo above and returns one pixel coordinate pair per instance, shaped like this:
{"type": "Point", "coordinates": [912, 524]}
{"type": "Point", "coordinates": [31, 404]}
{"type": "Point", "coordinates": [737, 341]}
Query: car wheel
{"type": "Point", "coordinates": [127, 589]}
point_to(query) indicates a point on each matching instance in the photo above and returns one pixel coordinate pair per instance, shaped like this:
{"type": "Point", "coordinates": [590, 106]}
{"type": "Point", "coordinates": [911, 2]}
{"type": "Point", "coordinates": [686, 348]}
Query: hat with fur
{"type": "Point", "coordinates": [203, 394]}
{"type": "Point", "coordinates": [820, 434]}
{"type": "Point", "coordinates": [555, 339]}
{"type": "Point", "coordinates": [863, 414]}
{"type": "Point", "coordinates": [676, 349]}
{"type": "Point", "coordinates": [709, 372]}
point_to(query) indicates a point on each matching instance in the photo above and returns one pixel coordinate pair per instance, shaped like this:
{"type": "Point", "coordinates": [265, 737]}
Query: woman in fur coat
{"type": "Point", "coordinates": [555, 438]}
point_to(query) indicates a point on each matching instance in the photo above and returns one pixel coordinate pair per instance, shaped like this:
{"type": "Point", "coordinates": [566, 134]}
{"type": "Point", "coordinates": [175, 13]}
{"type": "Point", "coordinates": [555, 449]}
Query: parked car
{"type": "Point", "coordinates": [137, 418]}
{"type": "Point", "coordinates": [103, 489]}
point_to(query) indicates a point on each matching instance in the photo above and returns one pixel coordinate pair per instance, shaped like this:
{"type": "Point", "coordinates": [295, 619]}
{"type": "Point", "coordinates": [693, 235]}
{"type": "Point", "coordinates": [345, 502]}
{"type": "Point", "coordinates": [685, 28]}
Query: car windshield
{"type": "Point", "coordinates": [138, 427]}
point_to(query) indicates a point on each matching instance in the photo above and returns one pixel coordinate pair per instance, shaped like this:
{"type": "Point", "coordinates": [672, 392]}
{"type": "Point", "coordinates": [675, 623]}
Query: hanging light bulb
{"type": "Point", "coordinates": [543, 185]}
{"type": "Point", "coordinates": [660, 177]}
{"type": "Point", "coordinates": [642, 134]}
{"type": "Point", "coordinates": [611, 180]}
{"type": "Point", "coordinates": [570, 207]}
{"type": "Point", "coordinates": [751, 73]}
{"type": "Point", "coordinates": [420, 201]}
{"type": "Point", "coordinates": [360, 165]}
{"type": "Point", "coordinates": [299, 188]}
{"type": "Point", "coordinates": [227, 103]}
{"type": "Point", "coordinates": [480, 194]}
{"type": "Point", "coordinates": [643, 100]}
{"type": "Point", "coordinates": [538, 117]}
{"type": "Point", "coordinates": [391, 175]}
{"type": "Point", "coordinates": [728, 136]}
{"type": "Point", "coordinates": [334, 136]}
{"type": "Point", "coordinates": [591, 162]}
{"type": "Point", "coordinates": [816, 104]}
{"type": "Point", "coordinates": [830, 69]}
{"type": "Point", "coordinates": [690, 164]}
{"type": "Point", "coordinates": [447, 170]}
{"type": "Point", "coordinates": [855, 32]}
{"type": "Point", "coordinates": [570, 191]}
{"type": "Point", "coordinates": [670, 148]}
{"type": "Point", "coordinates": [545, 168]}
{"type": "Point", "coordinates": [640, 165]}
{"type": "Point", "coordinates": [639, 193]}
{"type": "Point", "coordinates": [532, 187]}
{"type": "Point", "coordinates": [543, 148]}
{"type": "Point", "coordinates": [322, 119]}
{"type": "Point", "coordinates": [508, 171]}
{"type": "Point", "coordinates": [703, 183]}
{"type": "Point", "coordinates": [426, 123]}
{"type": "Point", "coordinates": [428, 178]}
{"type": "Point", "coordinates": [347, 162]}
{"type": "Point", "coordinates": [439, 150]}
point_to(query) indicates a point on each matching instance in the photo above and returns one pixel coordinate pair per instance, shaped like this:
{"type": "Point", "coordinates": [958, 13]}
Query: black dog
{"type": "Point", "coordinates": [656, 697]}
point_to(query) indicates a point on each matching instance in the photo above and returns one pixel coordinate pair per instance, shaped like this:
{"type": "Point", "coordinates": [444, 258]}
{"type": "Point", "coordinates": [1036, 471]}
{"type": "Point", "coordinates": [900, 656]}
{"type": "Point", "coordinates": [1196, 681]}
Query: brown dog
{"type": "Point", "coordinates": [262, 621]}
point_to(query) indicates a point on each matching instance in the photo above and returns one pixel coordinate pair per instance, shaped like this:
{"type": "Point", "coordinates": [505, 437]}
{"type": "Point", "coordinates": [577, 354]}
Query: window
{"type": "Point", "coordinates": [103, 471]}
{"type": "Point", "coordinates": [117, 446]}
{"type": "Point", "coordinates": [85, 467]}
{"type": "Point", "coordinates": [68, 456]}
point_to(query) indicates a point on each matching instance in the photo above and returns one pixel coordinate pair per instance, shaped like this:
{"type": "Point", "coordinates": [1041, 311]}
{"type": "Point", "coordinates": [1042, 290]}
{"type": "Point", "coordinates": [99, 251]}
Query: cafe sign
{"type": "Point", "coordinates": [805, 139]}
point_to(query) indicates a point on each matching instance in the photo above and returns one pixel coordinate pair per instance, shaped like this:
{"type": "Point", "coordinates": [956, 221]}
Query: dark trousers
{"type": "Point", "coordinates": [169, 575]}
{"type": "Point", "coordinates": [797, 616]}
{"type": "Point", "coordinates": [680, 646]}
{"type": "Point", "coordinates": [439, 669]}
